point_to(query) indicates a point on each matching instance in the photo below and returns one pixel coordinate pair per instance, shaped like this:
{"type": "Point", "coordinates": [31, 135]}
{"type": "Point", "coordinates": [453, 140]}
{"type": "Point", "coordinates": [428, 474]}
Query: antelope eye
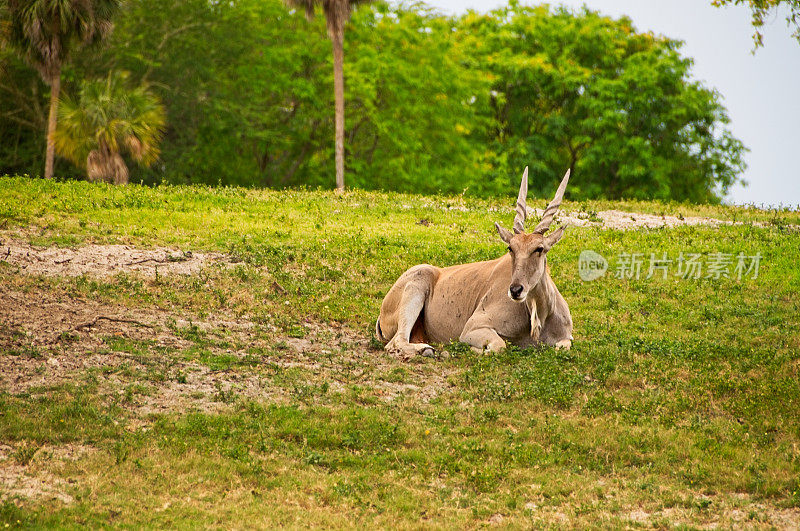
{"type": "Point", "coordinates": [538, 250]}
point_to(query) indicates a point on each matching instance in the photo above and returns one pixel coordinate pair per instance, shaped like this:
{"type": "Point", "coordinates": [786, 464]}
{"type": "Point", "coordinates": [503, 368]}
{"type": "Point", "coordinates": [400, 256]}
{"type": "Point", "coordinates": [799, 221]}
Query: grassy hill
{"type": "Point", "coordinates": [249, 393]}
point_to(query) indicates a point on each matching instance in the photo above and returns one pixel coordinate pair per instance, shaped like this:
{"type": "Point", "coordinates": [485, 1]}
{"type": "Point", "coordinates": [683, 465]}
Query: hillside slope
{"type": "Point", "coordinates": [190, 355]}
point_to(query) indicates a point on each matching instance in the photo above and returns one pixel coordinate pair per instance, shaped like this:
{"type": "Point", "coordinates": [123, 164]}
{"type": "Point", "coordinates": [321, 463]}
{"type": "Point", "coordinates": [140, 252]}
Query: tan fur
{"type": "Point", "coordinates": [473, 302]}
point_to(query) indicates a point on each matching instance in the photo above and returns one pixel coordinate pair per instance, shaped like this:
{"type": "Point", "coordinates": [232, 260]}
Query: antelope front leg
{"type": "Point", "coordinates": [482, 340]}
{"type": "Point", "coordinates": [557, 329]}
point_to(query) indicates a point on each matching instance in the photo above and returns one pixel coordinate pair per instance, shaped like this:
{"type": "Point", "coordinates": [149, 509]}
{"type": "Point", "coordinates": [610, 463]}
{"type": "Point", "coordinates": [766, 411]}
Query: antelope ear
{"type": "Point", "coordinates": [553, 238]}
{"type": "Point", "coordinates": [505, 235]}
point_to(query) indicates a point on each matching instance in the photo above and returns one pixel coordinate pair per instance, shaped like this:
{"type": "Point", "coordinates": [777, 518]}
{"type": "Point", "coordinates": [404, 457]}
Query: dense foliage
{"type": "Point", "coordinates": [433, 103]}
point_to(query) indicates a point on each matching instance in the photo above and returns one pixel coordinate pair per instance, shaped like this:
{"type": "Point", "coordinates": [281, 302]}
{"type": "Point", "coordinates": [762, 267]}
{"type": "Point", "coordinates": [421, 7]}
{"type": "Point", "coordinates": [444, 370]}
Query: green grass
{"type": "Point", "coordinates": [680, 398]}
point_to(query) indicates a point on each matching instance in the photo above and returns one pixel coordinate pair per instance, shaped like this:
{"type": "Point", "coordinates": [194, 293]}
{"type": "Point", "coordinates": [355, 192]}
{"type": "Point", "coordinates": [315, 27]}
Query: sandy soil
{"type": "Point", "coordinates": [102, 260]}
{"type": "Point", "coordinates": [30, 477]}
{"type": "Point", "coordinates": [54, 338]}
{"type": "Point", "coordinates": [619, 220]}
{"type": "Point", "coordinates": [608, 219]}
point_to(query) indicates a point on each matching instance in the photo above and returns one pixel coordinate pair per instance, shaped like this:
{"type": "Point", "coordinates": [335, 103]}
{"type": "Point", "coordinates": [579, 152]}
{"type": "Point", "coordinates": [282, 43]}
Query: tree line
{"type": "Point", "coordinates": [433, 103]}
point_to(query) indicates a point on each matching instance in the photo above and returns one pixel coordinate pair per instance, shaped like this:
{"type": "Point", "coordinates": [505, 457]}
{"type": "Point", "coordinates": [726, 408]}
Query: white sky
{"type": "Point", "coordinates": [761, 91]}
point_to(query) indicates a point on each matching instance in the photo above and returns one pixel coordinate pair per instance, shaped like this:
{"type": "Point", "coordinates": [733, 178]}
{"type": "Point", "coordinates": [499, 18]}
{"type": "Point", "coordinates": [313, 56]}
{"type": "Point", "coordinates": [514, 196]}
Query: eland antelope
{"type": "Point", "coordinates": [511, 299]}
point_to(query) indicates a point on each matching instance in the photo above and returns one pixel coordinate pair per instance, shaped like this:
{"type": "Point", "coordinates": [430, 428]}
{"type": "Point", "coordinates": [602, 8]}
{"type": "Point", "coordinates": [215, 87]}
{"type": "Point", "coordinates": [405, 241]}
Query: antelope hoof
{"type": "Point", "coordinates": [411, 350]}
{"type": "Point", "coordinates": [427, 351]}
{"type": "Point", "coordinates": [490, 348]}
{"type": "Point", "coordinates": [564, 344]}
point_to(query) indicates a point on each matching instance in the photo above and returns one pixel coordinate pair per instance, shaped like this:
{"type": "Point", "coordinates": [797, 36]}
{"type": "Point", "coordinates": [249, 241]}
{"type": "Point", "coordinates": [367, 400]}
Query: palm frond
{"type": "Point", "coordinates": [337, 12]}
{"type": "Point", "coordinates": [73, 136]}
{"type": "Point", "coordinates": [110, 116]}
{"type": "Point", "coordinates": [45, 31]}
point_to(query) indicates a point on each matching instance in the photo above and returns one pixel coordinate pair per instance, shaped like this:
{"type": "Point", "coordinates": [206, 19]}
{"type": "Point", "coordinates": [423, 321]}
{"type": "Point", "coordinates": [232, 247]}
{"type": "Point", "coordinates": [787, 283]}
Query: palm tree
{"type": "Point", "coordinates": [107, 118]}
{"type": "Point", "coordinates": [46, 31]}
{"type": "Point", "coordinates": [337, 13]}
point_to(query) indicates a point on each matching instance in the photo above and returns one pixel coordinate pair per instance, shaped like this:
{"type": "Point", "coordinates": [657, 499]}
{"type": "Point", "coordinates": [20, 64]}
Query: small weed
{"type": "Point", "coordinates": [306, 392]}
{"type": "Point", "coordinates": [180, 256]}
{"type": "Point", "coordinates": [68, 335]}
{"type": "Point", "coordinates": [190, 332]}
{"type": "Point", "coordinates": [28, 352]}
{"type": "Point", "coordinates": [349, 489]}
{"type": "Point", "coordinates": [396, 375]}
{"type": "Point", "coordinates": [121, 451]}
{"type": "Point", "coordinates": [134, 390]}
{"type": "Point", "coordinates": [296, 331]}
{"type": "Point", "coordinates": [314, 458]}
{"type": "Point", "coordinates": [374, 343]}
{"type": "Point", "coordinates": [490, 415]}
{"type": "Point", "coordinates": [24, 453]}
{"type": "Point", "coordinates": [226, 396]}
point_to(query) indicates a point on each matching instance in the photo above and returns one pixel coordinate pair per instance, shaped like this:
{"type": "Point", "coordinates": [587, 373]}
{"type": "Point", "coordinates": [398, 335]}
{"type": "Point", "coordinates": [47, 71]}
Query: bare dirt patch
{"type": "Point", "coordinates": [613, 219]}
{"type": "Point", "coordinates": [619, 220]}
{"type": "Point", "coordinates": [142, 359]}
{"type": "Point", "coordinates": [731, 511]}
{"type": "Point", "coordinates": [48, 339]}
{"type": "Point", "coordinates": [103, 260]}
{"type": "Point", "coordinates": [32, 478]}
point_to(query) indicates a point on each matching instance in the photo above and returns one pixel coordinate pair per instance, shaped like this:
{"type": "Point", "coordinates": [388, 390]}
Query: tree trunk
{"type": "Point", "coordinates": [50, 152]}
{"type": "Point", "coordinates": [338, 90]}
{"type": "Point", "coordinates": [119, 168]}
{"type": "Point", "coordinates": [104, 165]}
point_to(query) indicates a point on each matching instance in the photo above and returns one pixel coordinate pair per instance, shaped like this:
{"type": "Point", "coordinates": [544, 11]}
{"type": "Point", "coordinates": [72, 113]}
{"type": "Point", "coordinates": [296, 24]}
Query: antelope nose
{"type": "Point", "coordinates": [515, 290]}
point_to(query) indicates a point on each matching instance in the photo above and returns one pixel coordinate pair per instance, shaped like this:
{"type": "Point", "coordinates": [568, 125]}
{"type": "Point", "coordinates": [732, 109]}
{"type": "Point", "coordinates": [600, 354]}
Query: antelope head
{"type": "Point", "coordinates": [529, 250]}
